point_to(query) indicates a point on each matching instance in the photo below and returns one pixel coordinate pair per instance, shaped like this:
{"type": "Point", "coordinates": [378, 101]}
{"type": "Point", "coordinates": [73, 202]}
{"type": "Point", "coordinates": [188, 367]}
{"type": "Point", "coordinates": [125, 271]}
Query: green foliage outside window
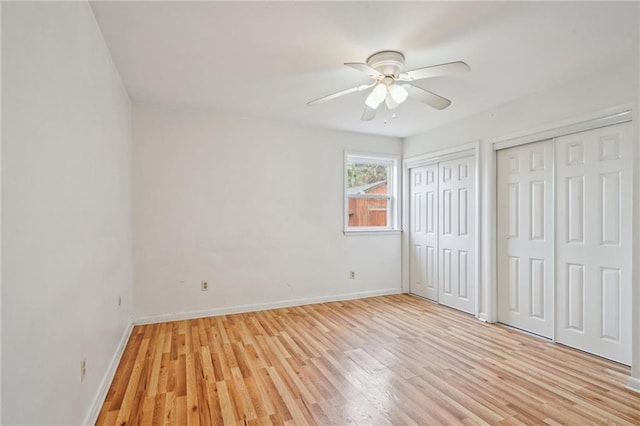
{"type": "Point", "coordinates": [363, 174]}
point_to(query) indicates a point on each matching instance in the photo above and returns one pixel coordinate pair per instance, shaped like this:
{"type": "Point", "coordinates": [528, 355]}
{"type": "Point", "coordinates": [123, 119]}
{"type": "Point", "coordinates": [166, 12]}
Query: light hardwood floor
{"type": "Point", "coordinates": [385, 360]}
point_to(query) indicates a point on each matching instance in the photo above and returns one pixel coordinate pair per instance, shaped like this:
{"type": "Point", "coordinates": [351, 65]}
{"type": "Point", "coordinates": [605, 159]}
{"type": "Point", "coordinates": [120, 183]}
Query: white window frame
{"type": "Point", "coordinates": [393, 180]}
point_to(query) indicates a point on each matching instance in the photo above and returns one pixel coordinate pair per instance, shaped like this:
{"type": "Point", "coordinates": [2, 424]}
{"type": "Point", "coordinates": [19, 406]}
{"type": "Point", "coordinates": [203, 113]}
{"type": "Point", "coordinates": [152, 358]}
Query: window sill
{"type": "Point", "coordinates": [370, 232]}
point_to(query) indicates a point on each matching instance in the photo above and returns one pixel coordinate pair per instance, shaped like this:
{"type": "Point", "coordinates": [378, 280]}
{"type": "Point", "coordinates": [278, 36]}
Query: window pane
{"type": "Point", "coordinates": [370, 192]}
{"type": "Point", "coordinates": [367, 178]}
{"type": "Point", "coordinates": [367, 212]}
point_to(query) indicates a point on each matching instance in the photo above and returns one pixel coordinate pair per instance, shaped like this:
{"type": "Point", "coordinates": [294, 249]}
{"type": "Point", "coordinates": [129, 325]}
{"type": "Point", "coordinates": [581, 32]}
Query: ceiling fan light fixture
{"type": "Point", "coordinates": [377, 96]}
{"type": "Point", "coordinates": [398, 93]}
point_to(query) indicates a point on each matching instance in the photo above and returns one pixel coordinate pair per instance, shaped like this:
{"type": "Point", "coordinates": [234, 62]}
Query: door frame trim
{"type": "Point", "coordinates": [603, 118]}
{"type": "Point", "coordinates": [460, 151]}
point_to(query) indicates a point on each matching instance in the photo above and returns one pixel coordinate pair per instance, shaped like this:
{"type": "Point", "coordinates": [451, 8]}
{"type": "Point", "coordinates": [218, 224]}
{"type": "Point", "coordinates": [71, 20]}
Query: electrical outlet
{"type": "Point", "coordinates": [204, 286]}
{"type": "Point", "coordinates": [83, 369]}
{"type": "Point", "coordinates": [352, 275]}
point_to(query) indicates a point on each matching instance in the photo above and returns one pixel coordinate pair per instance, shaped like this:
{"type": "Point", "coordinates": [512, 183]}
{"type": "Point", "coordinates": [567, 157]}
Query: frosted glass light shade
{"type": "Point", "coordinates": [377, 95]}
{"type": "Point", "coordinates": [391, 104]}
{"type": "Point", "coordinates": [398, 93]}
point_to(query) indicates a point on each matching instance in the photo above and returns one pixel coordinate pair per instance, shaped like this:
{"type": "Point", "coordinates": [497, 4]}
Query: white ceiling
{"type": "Point", "coordinates": [267, 59]}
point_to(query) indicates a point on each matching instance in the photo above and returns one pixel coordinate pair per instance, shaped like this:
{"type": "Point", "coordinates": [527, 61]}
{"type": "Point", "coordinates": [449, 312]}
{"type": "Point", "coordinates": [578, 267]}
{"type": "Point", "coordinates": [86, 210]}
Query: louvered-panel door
{"type": "Point", "coordinates": [423, 231]}
{"type": "Point", "coordinates": [594, 241]}
{"type": "Point", "coordinates": [456, 243]}
{"type": "Point", "coordinates": [525, 237]}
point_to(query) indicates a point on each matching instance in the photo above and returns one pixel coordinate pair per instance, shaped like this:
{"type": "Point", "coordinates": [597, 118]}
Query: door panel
{"type": "Point", "coordinates": [423, 233]}
{"type": "Point", "coordinates": [594, 243]}
{"type": "Point", "coordinates": [525, 237]}
{"type": "Point", "coordinates": [457, 237]}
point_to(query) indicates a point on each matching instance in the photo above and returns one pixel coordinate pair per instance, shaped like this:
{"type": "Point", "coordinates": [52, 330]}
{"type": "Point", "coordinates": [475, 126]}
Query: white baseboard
{"type": "Point", "coordinates": [175, 316]}
{"type": "Point", "coordinates": [634, 384]}
{"type": "Point", "coordinates": [96, 405]}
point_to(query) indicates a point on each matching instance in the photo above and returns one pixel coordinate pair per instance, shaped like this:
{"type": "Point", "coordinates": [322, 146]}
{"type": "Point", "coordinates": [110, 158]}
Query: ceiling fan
{"type": "Point", "coordinates": [386, 68]}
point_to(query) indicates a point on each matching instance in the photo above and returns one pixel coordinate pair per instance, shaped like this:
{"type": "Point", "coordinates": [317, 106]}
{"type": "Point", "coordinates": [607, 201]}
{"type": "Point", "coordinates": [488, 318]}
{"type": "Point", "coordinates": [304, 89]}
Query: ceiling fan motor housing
{"type": "Point", "coordinates": [388, 62]}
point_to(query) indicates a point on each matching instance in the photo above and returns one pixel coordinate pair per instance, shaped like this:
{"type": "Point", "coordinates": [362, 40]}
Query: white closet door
{"type": "Point", "coordinates": [594, 241]}
{"type": "Point", "coordinates": [525, 237]}
{"type": "Point", "coordinates": [456, 244]}
{"type": "Point", "coordinates": [423, 231]}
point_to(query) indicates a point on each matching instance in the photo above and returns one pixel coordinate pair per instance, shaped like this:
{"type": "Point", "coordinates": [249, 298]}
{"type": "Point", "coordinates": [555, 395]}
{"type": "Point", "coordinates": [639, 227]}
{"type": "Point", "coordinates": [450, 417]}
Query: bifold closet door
{"type": "Point", "coordinates": [594, 196]}
{"type": "Point", "coordinates": [525, 237]}
{"type": "Point", "coordinates": [442, 232]}
{"type": "Point", "coordinates": [456, 236]}
{"type": "Point", "coordinates": [423, 232]}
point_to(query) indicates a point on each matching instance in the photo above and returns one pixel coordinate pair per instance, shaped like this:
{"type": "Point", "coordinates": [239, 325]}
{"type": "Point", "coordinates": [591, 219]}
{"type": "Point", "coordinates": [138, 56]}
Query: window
{"type": "Point", "coordinates": [370, 192]}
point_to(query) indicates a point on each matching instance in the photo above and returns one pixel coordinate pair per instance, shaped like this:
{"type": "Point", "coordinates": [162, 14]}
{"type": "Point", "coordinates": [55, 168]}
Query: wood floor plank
{"type": "Point", "coordinates": [169, 418]}
{"type": "Point", "coordinates": [379, 361]}
{"type": "Point", "coordinates": [159, 409]}
{"type": "Point", "coordinates": [148, 407]}
{"type": "Point", "coordinates": [132, 385]}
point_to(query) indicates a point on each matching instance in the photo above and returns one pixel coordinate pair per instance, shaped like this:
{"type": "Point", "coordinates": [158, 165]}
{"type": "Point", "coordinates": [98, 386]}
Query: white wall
{"type": "Point", "coordinates": [66, 219]}
{"type": "Point", "coordinates": [576, 98]}
{"type": "Point", "coordinates": [253, 207]}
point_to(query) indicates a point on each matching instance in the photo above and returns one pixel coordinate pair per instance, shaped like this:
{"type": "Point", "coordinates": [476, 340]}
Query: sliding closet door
{"type": "Point", "coordinates": [456, 244]}
{"type": "Point", "coordinates": [594, 196]}
{"type": "Point", "coordinates": [423, 232]}
{"type": "Point", "coordinates": [525, 237]}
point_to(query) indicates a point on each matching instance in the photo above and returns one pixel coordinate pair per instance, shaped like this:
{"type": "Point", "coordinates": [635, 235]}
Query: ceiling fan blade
{"type": "Point", "coordinates": [368, 114]}
{"type": "Point", "coordinates": [434, 71]}
{"type": "Point", "coordinates": [427, 97]}
{"type": "Point", "coordinates": [340, 93]}
{"type": "Point", "coordinates": [371, 72]}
